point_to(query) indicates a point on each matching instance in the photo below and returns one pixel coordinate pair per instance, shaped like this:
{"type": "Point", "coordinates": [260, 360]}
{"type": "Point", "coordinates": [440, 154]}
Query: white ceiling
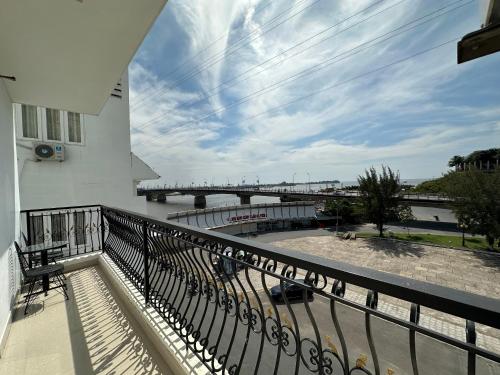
{"type": "Point", "coordinates": [68, 54]}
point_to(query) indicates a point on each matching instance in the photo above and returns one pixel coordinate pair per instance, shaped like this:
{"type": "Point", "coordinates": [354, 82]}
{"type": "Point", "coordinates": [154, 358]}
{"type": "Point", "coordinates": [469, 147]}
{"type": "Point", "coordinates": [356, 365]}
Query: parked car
{"type": "Point", "coordinates": [228, 267]}
{"type": "Point", "coordinates": [293, 292]}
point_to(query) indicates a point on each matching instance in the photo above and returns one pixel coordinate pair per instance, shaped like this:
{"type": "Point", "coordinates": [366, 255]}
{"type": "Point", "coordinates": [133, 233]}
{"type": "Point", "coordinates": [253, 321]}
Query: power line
{"type": "Point", "coordinates": [341, 83]}
{"type": "Point", "coordinates": [224, 53]}
{"type": "Point", "coordinates": [140, 126]}
{"type": "Point", "coordinates": [356, 77]}
{"type": "Point", "coordinates": [183, 63]}
{"type": "Point", "coordinates": [314, 69]}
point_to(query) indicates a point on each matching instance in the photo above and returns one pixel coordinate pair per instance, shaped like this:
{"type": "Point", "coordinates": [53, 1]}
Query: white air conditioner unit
{"type": "Point", "coordinates": [48, 151]}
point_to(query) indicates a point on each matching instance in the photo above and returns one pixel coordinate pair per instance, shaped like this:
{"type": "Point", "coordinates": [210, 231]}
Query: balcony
{"type": "Point", "coordinates": [89, 334]}
{"type": "Point", "coordinates": [149, 296]}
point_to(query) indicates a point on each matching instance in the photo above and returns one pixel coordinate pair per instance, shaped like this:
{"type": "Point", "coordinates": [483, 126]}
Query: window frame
{"type": "Point", "coordinates": [80, 233]}
{"type": "Point", "coordinates": [66, 129]}
{"type": "Point", "coordinates": [37, 229]}
{"type": "Point", "coordinates": [18, 113]}
{"type": "Point", "coordinates": [44, 125]}
{"type": "Point", "coordinates": [61, 226]}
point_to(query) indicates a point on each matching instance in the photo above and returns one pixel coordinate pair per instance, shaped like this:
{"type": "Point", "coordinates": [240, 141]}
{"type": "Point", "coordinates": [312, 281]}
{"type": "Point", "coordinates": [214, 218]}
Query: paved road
{"type": "Point", "coordinates": [391, 342]}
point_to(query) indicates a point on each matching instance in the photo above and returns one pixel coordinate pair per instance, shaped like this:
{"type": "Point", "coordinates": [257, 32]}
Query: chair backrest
{"type": "Point", "coordinates": [22, 260]}
{"type": "Point", "coordinates": [25, 239]}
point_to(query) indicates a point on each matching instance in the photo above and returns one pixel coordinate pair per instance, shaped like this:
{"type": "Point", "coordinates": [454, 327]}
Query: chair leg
{"type": "Point", "coordinates": [29, 295]}
{"type": "Point", "coordinates": [63, 277]}
{"type": "Point", "coordinates": [62, 284]}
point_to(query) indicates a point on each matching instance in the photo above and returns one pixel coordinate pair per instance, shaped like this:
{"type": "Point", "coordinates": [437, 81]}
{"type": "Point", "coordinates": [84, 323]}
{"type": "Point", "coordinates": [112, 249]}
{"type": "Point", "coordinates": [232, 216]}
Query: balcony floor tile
{"type": "Point", "coordinates": [89, 334]}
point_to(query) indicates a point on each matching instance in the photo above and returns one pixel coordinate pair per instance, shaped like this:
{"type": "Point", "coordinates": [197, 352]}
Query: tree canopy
{"type": "Point", "coordinates": [456, 161]}
{"type": "Point", "coordinates": [348, 210]}
{"type": "Point", "coordinates": [476, 201]}
{"type": "Point", "coordinates": [380, 195]}
{"type": "Point", "coordinates": [479, 158]}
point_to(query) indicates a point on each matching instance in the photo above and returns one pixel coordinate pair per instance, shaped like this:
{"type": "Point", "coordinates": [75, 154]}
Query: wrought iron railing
{"type": "Point", "coordinates": [224, 296]}
{"type": "Point", "coordinates": [82, 227]}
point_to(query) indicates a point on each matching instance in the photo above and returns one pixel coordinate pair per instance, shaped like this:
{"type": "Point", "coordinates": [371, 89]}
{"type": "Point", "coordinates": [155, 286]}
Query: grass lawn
{"type": "Point", "coordinates": [474, 243]}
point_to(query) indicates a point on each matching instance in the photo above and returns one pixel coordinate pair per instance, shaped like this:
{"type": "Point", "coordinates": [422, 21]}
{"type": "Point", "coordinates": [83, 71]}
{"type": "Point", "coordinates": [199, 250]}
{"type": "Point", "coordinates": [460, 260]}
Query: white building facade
{"type": "Point", "coordinates": [97, 164]}
{"type": "Point", "coordinates": [62, 60]}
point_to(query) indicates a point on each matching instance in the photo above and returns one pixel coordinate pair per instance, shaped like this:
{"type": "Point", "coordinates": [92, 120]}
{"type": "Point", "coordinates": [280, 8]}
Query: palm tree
{"type": "Point", "coordinates": [456, 161]}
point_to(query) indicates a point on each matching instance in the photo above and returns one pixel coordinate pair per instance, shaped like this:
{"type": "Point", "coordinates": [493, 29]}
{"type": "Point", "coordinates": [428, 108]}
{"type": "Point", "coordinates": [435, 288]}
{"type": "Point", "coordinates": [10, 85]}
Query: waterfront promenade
{"type": "Point", "coordinates": [471, 271]}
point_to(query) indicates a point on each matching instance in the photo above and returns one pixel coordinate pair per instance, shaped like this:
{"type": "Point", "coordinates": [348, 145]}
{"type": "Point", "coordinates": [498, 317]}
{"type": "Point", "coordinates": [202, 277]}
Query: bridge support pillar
{"type": "Point", "coordinates": [161, 198]}
{"type": "Point", "coordinates": [200, 201]}
{"type": "Point", "coordinates": [244, 199]}
{"type": "Point", "coordinates": [149, 197]}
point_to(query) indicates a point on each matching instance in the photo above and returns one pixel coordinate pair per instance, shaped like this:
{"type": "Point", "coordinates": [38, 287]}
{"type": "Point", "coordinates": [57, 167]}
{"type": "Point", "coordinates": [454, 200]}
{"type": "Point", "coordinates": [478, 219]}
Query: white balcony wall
{"type": "Point", "coordinates": [97, 171]}
{"type": "Point", "coordinates": [9, 217]}
{"type": "Point", "coordinates": [141, 171]}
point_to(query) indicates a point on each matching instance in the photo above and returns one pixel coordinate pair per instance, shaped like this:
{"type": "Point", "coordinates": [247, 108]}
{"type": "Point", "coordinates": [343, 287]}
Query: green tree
{"type": "Point", "coordinates": [405, 215]}
{"type": "Point", "coordinates": [380, 195]}
{"type": "Point", "coordinates": [348, 210]}
{"type": "Point", "coordinates": [435, 186]}
{"type": "Point", "coordinates": [456, 162]}
{"type": "Point", "coordinates": [476, 201]}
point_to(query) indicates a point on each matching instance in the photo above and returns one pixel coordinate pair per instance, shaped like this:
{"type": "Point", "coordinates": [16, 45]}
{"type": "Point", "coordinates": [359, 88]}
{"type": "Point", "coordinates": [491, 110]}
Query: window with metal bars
{"type": "Point", "coordinates": [58, 225]}
{"type": "Point", "coordinates": [80, 229]}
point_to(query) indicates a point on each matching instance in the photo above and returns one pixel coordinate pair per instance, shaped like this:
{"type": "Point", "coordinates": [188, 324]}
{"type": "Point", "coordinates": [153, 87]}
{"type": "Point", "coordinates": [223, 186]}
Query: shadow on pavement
{"type": "Point", "coordinates": [395, 248]}
{"type": "Point", "coordinates": [488, 259]}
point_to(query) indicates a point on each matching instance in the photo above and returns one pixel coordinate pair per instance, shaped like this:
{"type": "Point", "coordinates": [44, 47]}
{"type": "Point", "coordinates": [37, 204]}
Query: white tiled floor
{"type": "Point", "coordinates": [89, 334]}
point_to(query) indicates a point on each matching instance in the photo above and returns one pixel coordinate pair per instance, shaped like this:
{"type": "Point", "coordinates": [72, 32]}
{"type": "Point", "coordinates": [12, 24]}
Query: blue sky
{"type": "Point", "coordinates": [229, 88]}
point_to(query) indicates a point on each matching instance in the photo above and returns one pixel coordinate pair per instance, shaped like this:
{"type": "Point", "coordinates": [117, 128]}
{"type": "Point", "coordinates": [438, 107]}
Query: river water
{"type": "Point", "coordinates": [178, 203]}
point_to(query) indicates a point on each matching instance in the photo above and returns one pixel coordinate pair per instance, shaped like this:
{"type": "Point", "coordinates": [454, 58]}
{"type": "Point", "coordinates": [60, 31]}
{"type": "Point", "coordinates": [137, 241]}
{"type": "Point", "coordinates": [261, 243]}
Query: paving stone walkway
{"type": "Point", "coordinates": [476, 272]}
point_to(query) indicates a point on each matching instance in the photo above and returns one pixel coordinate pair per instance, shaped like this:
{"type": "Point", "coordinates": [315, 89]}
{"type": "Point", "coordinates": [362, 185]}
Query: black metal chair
{"type": "Point", "coordinates": [51, 255]}
{"type": "Point", "coordinates": [35, 275]}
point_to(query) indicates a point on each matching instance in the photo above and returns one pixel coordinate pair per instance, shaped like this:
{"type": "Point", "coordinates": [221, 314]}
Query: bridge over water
{"type": "Point", "coordinates": [285, 194]}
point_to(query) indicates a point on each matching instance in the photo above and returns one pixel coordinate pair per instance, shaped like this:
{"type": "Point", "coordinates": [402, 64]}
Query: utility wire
{"type": "Point", "coordinates": [336, 85]}
{"type": "Point", "coordinates": [183, 63]}
{"type": "Point", "coordinates": [328, 62]}
{"type": "Point", "coordinates": [224, 53]}
{"type": "Point", "coordinates": [140, 126]}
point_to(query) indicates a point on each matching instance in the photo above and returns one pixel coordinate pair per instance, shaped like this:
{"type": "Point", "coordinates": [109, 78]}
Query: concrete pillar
{"type": "Point", "coordinates": [161, 198]}
{"type": "Point", "coordinates": [245, 199]}
{"type": "Point", "coordinates": [200, 201]}
{"type": "Point", "coordinates": [149, 197]}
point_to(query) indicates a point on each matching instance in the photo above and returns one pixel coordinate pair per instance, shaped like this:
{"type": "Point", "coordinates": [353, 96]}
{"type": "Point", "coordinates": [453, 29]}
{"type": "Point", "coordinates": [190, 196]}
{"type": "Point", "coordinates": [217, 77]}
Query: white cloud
{"type": "Point", "coordinates": [356, 123]}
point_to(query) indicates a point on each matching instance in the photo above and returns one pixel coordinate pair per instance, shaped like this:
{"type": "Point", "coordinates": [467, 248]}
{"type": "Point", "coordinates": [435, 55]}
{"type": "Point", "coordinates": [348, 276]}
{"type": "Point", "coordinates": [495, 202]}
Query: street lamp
{"type": "Point", "coordinates": [293, 180]}
{"type": "Point", "coordinates": [463, 226]}
{"type": "Point", "coordinates": [336, 204]}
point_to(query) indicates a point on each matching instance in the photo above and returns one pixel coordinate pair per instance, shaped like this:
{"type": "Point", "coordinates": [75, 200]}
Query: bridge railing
{"type": "Point", "coordinates": [250, 308]}
{"type": "Point", "coordinates": [289, 191]}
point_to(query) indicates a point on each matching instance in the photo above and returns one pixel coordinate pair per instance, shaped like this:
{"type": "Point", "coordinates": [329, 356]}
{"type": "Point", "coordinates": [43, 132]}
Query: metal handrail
{"type": "Point", "coordinates": [282, 191]}
{"type": "Point", "coordinates": [466, 305]}
{"type": "Point", "coordinates": [81, 226]}
{"type": "Point", "coordinates": [198, 279]}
